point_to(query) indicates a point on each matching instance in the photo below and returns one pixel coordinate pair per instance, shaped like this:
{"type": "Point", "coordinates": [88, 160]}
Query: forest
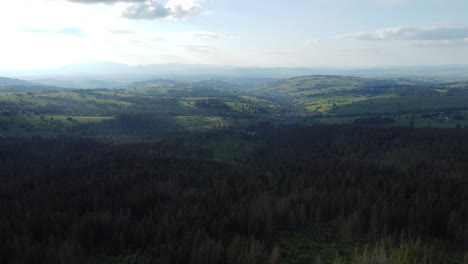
{"type": "Point", "coordinates": [360, 194]}
{"type": "Point", "coordinates": [233, 132]}
{"type": "Point", "coordinates": [313, 169]}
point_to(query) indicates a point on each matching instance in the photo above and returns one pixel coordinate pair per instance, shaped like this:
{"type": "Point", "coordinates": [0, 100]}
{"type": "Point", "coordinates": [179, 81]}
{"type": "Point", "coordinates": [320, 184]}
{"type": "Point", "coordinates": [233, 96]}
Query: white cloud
{"type": "Point", "coordinates": [454, 43]}
{"type": "Point", "coordinates": [211, 35]}
{"type": "Point", "coordinates": [285, 52]}
{"type": "Point", "coordinates": [410, 33]}
{"type": "Point", "coordinates": [440, 43]}
{"type": "Point", "coordinates": [102, 1]}
{"type": "Point", "coordinates": [152, 9]}
{"type": "Point", "coordinates": [204, 49]}
{"type": "Point", "coordinates": [121, 31]}
{"type": "Point", "coordinates": [312, 41]}
{"type": "Point", "coordinates": [183, 8]}
{"type": "Point", "coordinates": [205, 34]}
{"type": "Point", "coordinates": [66, 31]}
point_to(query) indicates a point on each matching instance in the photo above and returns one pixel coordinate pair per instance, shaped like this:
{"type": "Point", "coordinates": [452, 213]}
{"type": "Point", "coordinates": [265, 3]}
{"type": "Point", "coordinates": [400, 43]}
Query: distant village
{"type": "Point", "coordinates": [444, 116]}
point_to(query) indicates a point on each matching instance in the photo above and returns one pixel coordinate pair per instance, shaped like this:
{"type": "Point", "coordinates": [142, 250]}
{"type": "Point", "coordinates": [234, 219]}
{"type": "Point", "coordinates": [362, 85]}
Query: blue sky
{"type": "Point", "coordinates": [332, 33]}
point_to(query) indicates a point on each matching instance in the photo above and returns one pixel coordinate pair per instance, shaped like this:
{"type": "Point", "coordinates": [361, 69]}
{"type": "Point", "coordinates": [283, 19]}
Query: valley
{"type": "Point", "coordinates": [311, 169]}
{"type": "Point", "coordinates": [32, 109]}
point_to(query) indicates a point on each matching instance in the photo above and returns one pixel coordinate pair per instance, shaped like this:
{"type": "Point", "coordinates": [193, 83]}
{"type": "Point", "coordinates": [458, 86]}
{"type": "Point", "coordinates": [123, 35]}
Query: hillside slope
{"type": "Point", "coordinates": [10, 81]}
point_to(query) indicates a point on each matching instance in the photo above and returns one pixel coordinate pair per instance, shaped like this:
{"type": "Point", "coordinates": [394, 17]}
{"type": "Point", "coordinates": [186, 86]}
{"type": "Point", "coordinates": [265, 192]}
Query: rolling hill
{"type": "Point", "coordinates": [316, 85]}
{"type": "Point", "coordinates": [327, 99]}
{"type": "Point", "coordinates": [9, 81]}
{"type": "Point", "coordinates": [9, 85]}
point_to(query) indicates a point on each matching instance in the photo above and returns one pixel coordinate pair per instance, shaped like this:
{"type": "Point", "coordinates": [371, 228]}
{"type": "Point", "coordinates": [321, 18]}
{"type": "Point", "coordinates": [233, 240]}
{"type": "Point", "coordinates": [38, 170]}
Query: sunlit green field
{"type": "Point", "coordinates": [27, 124]}
{"type": "Point", "coordinates": [201, 122]}
{"type": "Point", "coordinates": [402, 120]}
{"type": "Point", "coordinates": [403, 105]}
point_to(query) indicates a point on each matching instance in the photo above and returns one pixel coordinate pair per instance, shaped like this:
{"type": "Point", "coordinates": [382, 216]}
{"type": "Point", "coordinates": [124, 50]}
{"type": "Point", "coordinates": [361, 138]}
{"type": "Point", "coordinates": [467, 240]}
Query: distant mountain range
{"type": "Point", "coordinates": [16, 85]}
{"type": "Point", "coordinates": [108, 74]}
{"type": "Point", "coordinates": [10, 81]}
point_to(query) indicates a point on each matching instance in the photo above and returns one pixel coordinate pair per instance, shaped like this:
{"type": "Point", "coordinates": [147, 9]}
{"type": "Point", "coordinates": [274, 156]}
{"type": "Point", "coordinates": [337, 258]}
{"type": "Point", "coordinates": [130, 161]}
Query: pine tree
{"type": "Point", "coordinates": [382, 259]}
{"type": "Point", "coordinates": [275, 255]}
{"type": "Point", "coordinates": [337, 259]}
{"type": "Point", "coordinates": [365, 257]}
{"type": "Point", "coordinates": [318, 260]}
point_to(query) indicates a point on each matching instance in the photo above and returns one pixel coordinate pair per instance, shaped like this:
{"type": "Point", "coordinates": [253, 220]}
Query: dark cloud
{"type": "Point", "coordinates": [151, 9]}
{"type": "Point", "coordinates": [411, 33]}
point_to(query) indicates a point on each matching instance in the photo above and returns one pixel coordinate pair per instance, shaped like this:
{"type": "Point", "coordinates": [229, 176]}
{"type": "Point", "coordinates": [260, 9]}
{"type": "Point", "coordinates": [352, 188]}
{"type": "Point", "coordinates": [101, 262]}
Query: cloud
{"type": "Point", "coordinates": [150, 9]}
{"type": "Point", "coordinates": [103, 1]}
{"type": "Point", "coordinates": [65, 31]}
{"type": "Point", "coordinates": [410, 33]}
{"type": "Point", "coordinates": [208, 12]}
{"type": "Point", "coordinates": [312, 41]}
{"type": "Point", "coordinates": [205, 49]}
{"type": "Point", "coordinates": [153, 9]}
{"type": "Point", "coordinates": [205, 34]}
{"type": "Point", "coordinates": [286, 52]}
{"type": "Point", "coordinates": [211, 35]}
{"type": "Point", "coordinates": [183, 8]}
{"type": "Point", "coordinates": [118, 31]}
{"type": "Point", "coordinates": [440, 43]}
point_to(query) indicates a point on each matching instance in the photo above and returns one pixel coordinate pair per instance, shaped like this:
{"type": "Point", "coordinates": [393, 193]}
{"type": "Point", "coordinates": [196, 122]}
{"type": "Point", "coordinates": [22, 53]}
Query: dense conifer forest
{"type": "Point", "coordinates": [262, 194]}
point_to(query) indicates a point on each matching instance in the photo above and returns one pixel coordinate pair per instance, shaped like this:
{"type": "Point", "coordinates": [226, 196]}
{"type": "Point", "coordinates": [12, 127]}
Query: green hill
{"type": "Point", "coordinates": [213, 103]}
{"type": "Point", "coordinates": [322, 93]}
{"type": "Point", "coordinates": [311, 85]}
{"type": "Point", "coordinates": [10, 81]}
{"type": "Point", "coordinates": [319, 85]}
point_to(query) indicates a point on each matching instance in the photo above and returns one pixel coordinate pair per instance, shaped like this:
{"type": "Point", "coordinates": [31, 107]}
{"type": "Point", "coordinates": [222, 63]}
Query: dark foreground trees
{"type": "Point", "coordinates": [72, 200]}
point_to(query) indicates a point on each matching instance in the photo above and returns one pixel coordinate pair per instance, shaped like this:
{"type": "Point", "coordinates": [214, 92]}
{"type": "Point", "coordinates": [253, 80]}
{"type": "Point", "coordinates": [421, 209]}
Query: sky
{"type": "Point", "coordinates": [266, 33]}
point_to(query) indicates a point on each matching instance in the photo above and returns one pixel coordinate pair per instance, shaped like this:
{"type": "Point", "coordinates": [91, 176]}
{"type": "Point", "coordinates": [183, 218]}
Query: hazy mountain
{"type": "Point", "coordinates": [115, 72]}
{"type": "Point", "coordinates": [216, 84]}
{"type": "Point", "coordinates": [10, 81]}
{"type": "Point", "coordinates": [301, 84]}
{"type": "Point", "coordinates": [17, 85]}
{"type": "Point", "coordinates": [80, 83]}
{"type": "Point", "coordinates": [28, 88]}
{"type": "Point", "coordinates": [330, 83]}
{"type": "Point", "coordinates": [153, 83]}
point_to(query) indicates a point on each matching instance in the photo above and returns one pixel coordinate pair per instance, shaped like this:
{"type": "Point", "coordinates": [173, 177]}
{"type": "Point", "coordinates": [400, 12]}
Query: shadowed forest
{"type": "Point", "coordinates": [289, 194]}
